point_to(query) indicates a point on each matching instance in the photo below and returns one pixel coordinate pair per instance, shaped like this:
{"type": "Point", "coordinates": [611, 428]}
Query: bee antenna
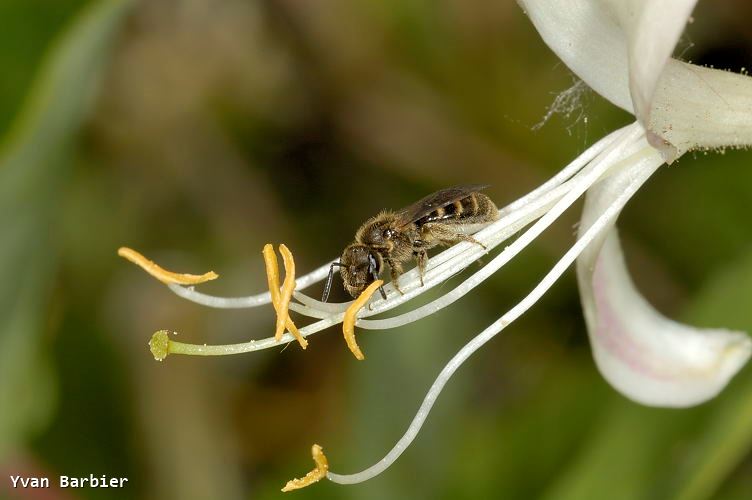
{"type": "Point", "coordinates": [329, 279]}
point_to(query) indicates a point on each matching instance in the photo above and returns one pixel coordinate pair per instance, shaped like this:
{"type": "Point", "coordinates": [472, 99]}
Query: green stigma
{"type": "Point", "coordinates": [159, 345]}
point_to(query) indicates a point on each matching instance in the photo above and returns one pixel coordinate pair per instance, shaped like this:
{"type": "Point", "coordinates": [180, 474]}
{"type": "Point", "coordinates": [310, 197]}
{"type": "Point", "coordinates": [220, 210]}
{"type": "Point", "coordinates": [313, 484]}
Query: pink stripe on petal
{"type": "Point", "coordinates": [642, 354]}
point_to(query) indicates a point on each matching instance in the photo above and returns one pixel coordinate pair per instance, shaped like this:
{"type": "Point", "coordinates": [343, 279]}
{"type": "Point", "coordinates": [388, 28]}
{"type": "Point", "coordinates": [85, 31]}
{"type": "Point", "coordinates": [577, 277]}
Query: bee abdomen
{"type": "Point", "coordinates": [483, 209]}
{"type": "Point", "coordinates": [474, 207]}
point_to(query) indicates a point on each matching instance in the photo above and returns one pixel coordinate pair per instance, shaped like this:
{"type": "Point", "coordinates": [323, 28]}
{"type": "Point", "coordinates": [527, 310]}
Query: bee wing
{"type": "Point", "coordinates": [439, 199]}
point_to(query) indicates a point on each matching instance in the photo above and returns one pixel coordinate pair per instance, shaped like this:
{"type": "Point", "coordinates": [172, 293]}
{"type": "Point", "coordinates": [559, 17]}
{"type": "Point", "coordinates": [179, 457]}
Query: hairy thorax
{"type": "Point", "coordinates": [383, 234]}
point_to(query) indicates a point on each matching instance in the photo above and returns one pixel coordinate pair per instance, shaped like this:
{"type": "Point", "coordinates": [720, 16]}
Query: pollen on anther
{"type": "Point", "coordinates": [318, 473]}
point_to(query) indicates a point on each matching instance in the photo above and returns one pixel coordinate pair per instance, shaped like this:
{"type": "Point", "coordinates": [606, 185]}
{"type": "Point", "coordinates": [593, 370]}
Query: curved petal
{"type": "Point", "coordinates": [702, 108]}
{"type": "Point", "coordinates": [588, 38]}
{"type": "Point", "coordinates": [652, 30]}
{"type": "Point", "coordinates": [618, 47]}
{"type": "Point", "coordinates": [644, 355]}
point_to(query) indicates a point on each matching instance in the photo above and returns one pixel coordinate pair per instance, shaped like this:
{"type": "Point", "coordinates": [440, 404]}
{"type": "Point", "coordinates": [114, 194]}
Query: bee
{"type": "Point", "coordinates": [442, 218]}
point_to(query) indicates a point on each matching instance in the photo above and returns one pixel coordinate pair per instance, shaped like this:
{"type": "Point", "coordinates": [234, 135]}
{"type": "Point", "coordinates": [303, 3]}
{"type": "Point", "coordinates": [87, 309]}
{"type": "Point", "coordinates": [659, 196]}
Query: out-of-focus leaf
{"type": "Point", "coordinates": [628, 456]}
{"type": "Point", "coordinates": [32, 167]}
{"type": "Point", "coordinates": [726, 437]}
{"type": "Point", "coordinates": [27, 27]}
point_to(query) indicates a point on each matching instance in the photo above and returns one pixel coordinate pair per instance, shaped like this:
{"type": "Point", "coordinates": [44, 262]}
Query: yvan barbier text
{"type": "Point", "coordinates": [91, 481]}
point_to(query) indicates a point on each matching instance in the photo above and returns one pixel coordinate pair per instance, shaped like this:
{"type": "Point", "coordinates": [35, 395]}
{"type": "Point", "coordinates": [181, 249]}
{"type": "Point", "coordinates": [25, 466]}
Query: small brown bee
{"type": "Point", "coordinates": [442, 218]}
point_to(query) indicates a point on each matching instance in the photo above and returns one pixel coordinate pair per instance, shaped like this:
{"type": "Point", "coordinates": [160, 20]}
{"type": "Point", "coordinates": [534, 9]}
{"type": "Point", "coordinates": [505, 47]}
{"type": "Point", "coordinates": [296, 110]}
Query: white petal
{"type": "Point", "coordinates": [702, 108]}
{"type": "Point", "coordinates": [645, 356]}
{"type": "Point", "coordinates": [618, 47]}
{"type": "Point", "coordinates": [588, 38]}
{"type": "Point", "coordinates": [652, 29]}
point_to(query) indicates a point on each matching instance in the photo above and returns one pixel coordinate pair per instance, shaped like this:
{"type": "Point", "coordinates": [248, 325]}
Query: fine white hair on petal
{"type": "Point", "coordinates": [645, 356]}
{"type": "Point", "coordinates": [588, 39]}
{"type": "Point", "coordinates": [620, 48]}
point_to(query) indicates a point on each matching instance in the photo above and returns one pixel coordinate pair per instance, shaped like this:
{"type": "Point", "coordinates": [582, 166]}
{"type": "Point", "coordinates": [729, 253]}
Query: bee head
{"type": "Point", "coordinates": [359, 268]}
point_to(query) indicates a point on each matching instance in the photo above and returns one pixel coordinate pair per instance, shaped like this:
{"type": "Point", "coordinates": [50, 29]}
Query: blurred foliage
{"type": "Point", "coordinates": [220, 125]}
{"type": "Point", "coordinates": [33, 165]}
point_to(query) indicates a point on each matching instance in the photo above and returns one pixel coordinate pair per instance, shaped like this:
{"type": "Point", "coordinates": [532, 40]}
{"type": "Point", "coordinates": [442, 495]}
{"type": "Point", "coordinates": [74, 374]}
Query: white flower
{"type": "Point", "coordinates": [622, 49]}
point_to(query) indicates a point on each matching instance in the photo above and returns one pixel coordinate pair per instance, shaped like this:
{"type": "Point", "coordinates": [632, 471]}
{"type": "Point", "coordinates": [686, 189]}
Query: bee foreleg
{"type": "Point", "coordinates": [381, 288]}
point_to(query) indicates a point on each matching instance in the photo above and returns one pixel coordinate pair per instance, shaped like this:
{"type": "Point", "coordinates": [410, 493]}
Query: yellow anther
{"type": "Point", "coordinates": [281, 301]}
{"type": "Point", "coordinates": [272, 272]}
{"type": "Point", "coordinates": [161, 274]}
{"type": "Point", "coordinates": [287, 288]}
{"type": "Point", "coordinates": [348, 322]}
{"type": "Point", "coordinates": [318, 473]}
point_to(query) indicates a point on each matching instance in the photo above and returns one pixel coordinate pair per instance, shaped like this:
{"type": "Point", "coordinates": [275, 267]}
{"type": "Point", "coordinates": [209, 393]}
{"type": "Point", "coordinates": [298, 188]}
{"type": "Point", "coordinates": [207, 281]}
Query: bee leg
{"type": "Point", "coordinates": [420, 257]}
{"type": "Point", "coordinates": [396, 270]}
{"type": "Point", "coordinates": [381, 288]}
{"type": "Point", "coordinates": [448, 237]}
{"type": "Point", "coordinates": [464, 237]}
{"type": "Point", "coordinates": [467, 237]}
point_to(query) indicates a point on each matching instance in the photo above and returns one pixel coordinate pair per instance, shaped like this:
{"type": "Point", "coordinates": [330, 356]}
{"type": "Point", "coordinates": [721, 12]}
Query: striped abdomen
{"type": "Point", "coordinates": [473, 208]}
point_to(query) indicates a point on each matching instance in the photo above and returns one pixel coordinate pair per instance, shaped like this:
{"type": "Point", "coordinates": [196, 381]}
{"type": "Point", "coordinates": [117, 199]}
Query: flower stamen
{"type": "Point", "coordinates": [317, 474]}
{"type": "Point", "coordinates": [348, 321]}
{"type": "Point", "coordinates": [547, 202]}
{"type": "Point", "coordinates": [281, 301]}
{"type": "Point", "coordinates": [513, 217]}
{"type": "Point", "coordinates": [163, 275]}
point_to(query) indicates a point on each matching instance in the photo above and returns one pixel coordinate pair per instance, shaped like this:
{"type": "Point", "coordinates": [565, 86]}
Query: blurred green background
{"type": "Point", "coordinates": [198, 130]}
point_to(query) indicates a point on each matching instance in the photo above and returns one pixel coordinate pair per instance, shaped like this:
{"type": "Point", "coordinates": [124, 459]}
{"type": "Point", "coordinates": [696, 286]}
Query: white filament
{"type": "Point", "coordinates": [555, 193]}
{"type": "Point", "coordinates": [319, 274]}
{"type": "Point", "coordinates": [648, 159]}
{"type": "Point", "coordinates": [190, 293]}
